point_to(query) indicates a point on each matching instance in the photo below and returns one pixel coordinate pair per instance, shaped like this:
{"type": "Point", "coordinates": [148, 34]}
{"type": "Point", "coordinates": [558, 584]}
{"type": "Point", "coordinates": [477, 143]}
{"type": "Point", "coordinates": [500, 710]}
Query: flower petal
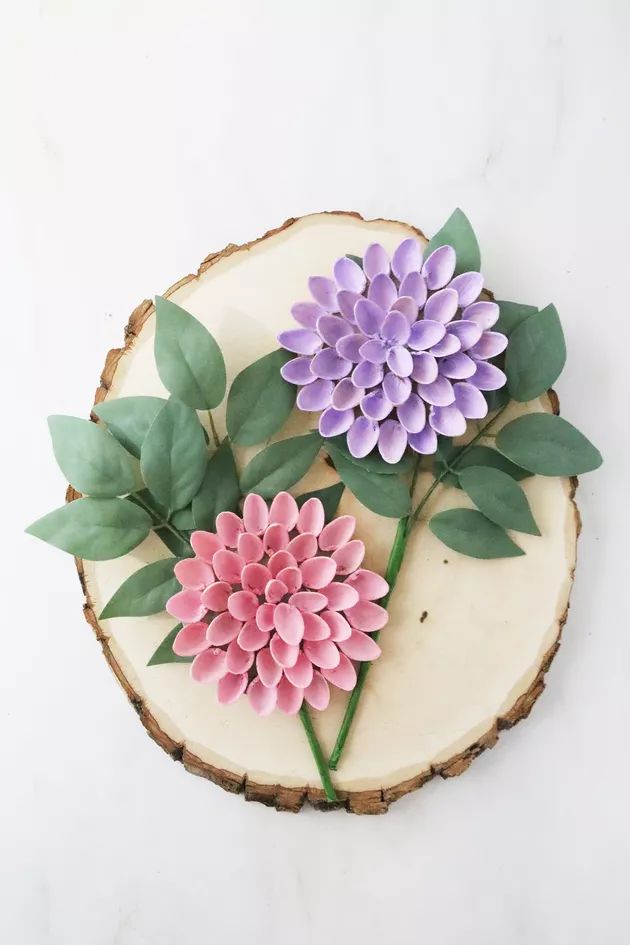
{"type": "Point", "coordinates": [332, 422]}
{"type": "Point", "coordinates": [382, 291]}
{"type": "Point", "coordinates": [368, 584]}
{"type": "Point", "coordinates": [376, 405]}
{"type": "Point", "coordinates": [362, 437]}
{"type": "Point", "coordinates": [323, 653]}
{"type": "Point", "coordinates": [346, 394]}
{"type": "Point", "coordinates": [290, 698]}
{"type": "Point", "coordinates": [339, 627]}
{"type": "Point", "coordinates": [425, 334]}
{"type": "Point", "coordinates": [425, 368]}
{"type": "Point", "coordinates": [262, 698]}
{"type": "Point", "coordinates": [467, 331]}
{"type": "Point", "coordinates": [396, 388]}
{"type": "Point", "coordinates": [215, 596]}
{"type": "Point", "coordinates": [337, 532]}
{"type": "Point", "coordinates": [468, 285]}
{"type": "Point", "coordinates": [315, 628]}
{"type": "Point", "coordinates": [442, 306]}
{"type": "Point", "coordinates": [488, 376]}
{"type": "Point", "coordinates": [407, 258]}
{"type": "Point", "coordinates": [269, 672]}
{"type": "Point", "coordinates": [312, 518]}
{"type": "Point", "coordinates": [303, 546]}
{"type": "Point", "coordinates": [392, 441]}
{"type": "Point", "coordinates": [340, 596]}
{"type": "Point", "coordinates": [489, 345]}
{"type": "Point", "coordinates": [396, 328]}
{"type": "Point", "coordinates": [369, 316]}
{"type": "Point", "coordinates": [228, 566]}
{"type": "Point", "coordinates": [324, 291]}
{"type": "Point", "coordinates": [283, 653]}
{"type": "Point", "coordinates": [191, 639]}
{"type": "Point", "coordinates": [367, 374]}
{"type": "Point", "coordinates": [242, 605]}
{"type": "Point", "coordinates": [186, 605]}
{"type": "Point", "coordinates": [374, 351]}
{"type": "Point", "coordinates": [439, 392]}
{"type": "Point", "coordinates": [408, 306]}
{"type": "Point", "coordinates": [412, 414]}
{"type": "Point", "coordinates": [484, 314]}
{"type": "Point", "coordinates": [265, 617]}
{"type": "Point", "coordinates": [346, 302]}
{"type": "Point", "coordinates": [276, 538]}
{"type": "Point", "coordinates": [439, 267]}
{"type": "Point", "coordinates": [375, 260]}
{"type": "Point", "coordinates": [315, 396]}
{"type": "Point", "coordinates": [255, 514]}
{"type": "Point", "coordinates": [449, 421]}
{"type": "Point", "coordinates": [255, 577]}
{"type": "Point", "coordinates": [275, 591]}
{"type": "Point", "coordinates": [470, 401]}
{"type": "Point", "coordinates": [343, 676]}
{"type": "Point", "coordinates": [349, 556]}
{"type": "Point", "coordinates": [298, 371]}
{"type": "Point", "coordinates": [359, 646]}
{"type": "Point", "coordinates": [415, 286]}
{"type": "Point", "coordinates": [292, 578]}
{"type": "Point", "coordinates": [424, 442]}
{"type": "Point", "coordinates": [367, 616]}
{"type": "Point", "coordinates": [300, 340]}
{"type": "Point", "coordinates": [252, 638]}
{"type": "Point", "coordinates": [194, 573]}
{"type": "Point", "coordinates": [450, 344]}
{"type": "Point", "coordinates": [223, 629]}
{"type": "Point", "coordinates": [205, 545]}
{"type": "Point", "coordinates": [250, 547]}
{"type": "Point", "coordinates": [318, 572]}
{"type": "Point", "coordinates": [307, 313]}
{"type": "Point", "coordinates": [330, 366]}
{"type": "Point", "coordinates": [238, 660]}
{"type": "Point", "coordinates": [231, 687]}
{"type": "Point", "coordinates": [229, 527]}
{"type": "Point", "coordinates": [332, 328]}
{"type": "Point", "coordinates": [284, 510]}
{"type": "Point", "coordinates": [458, 366]}
{"type": "Point", "coordinates": [318, 693]}
{"type": "Point", "coordinates": [300, 675]}
{"type": "Point", "coordinates": [209, 666]}
{"type": "Point", "coordinates": [348, 275]}
{"type": "Point", "coordinates": [308, 602]}
{"type": "Point", "coordinates": [289, 623]}
{"type": "Point", "coordinates": [399, 361]}
{"type": "Point", "coordinates": [280, 560]}
{"type": "Point", "coordinates": [349, 346]}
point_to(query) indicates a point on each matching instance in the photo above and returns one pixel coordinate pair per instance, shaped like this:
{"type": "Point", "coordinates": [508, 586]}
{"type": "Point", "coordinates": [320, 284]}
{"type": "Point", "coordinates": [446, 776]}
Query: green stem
{"type": "Point", "coordinates": [396, 556]}
{"type": "Point", "coordinates": [215, 435]}
{"type": "Point", "coordinates": [166, 524]}
{"type": "Point", "coordinates": [318, 754]}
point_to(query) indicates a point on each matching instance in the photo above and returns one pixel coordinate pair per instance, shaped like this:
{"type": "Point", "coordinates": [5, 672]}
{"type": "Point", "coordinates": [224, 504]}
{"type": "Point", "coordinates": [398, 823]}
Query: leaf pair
{"type": "Point", "coordinates": [379, 489]}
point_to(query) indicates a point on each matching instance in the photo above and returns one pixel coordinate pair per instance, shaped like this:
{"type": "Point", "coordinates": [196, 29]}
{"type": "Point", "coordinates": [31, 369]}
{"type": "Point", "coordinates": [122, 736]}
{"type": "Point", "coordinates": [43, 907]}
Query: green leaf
{"type": "Point", "coordinates": [92, 460]}
{"type": "Point", "coordinates": [499, 497]}
{"type": "Point", "coordinates": [374, 463]}
{"type": "Point", "coordinates": [483, 456]}
{"type": "Point", "coordinates": [511, 314]}
{"type": "Point", "coordinates": [145, 592]}
{"type": "Point", "coordinates": [547, 445]}
{"type": "Point", "coordinates": [164, 653]}
{"type": "Point", "coordinates": [260, 400]}
{"type": "Point", "coordinates": [330, 497]}
{"type": "Point", "coordinates": [178, 546]}
{"type": "Point", "coordinates": [174, 456]}
{"type": "Point", "coordinates": [188, 359]}
{"type": "Point", "coordinates": [183, 519]}
{"type": "Point", "coordinates": [385, 495]}
{"type": "Point", "coordinates": [496, 398]}
{"type": "Point", "coordinates": [535, 355]}
{"type": "Point", "coordinates": [280, 465]}
{"type": "Point", "coordinates": [458, 233]}
{"type": "Point", "coordinates": [129, 419]}
{"type": "Point", "coordinates": [472, 534]}
{"type": "Point", "coordinates": [94, 529]}
{"type": "Point", "coordinates": [220, 490]}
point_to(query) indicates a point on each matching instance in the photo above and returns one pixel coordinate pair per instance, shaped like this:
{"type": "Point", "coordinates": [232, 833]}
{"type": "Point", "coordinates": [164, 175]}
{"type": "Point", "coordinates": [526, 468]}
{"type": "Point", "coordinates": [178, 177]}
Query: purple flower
{"type": "Point", "coordinates": [393, 353]}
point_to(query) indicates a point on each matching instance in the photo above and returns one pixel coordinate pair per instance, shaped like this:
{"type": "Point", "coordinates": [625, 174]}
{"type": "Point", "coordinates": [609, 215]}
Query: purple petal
{"type": "Point", "coordinates": [425, 368]}
{"type": "Point", "coordinates": [408, 306]}
{"type": "Point", "coordinates": [367, 374]}
{"type": "Point", "coordinates": [382, 291]}
{"type": "Point", "coordinates": [330, 366]}
{"type": "Point", "coordinates": [449, 421]}
{"type": "Point", "coordinates": [439, 267]}
{"type": "Point", "coordinates": [348, 275]}
{"type": "Point", "coordinates": [300, 340]}
{"type": "Point", "coordinates": [333, 422]}
{"type": "Point", "coordinates": [399, 361]}
{"type": "Point", "coordinates": [412, 414]}
{"type": "Point", "coordinates": [415, 286]}
{"type": "Point", "coordinates": [425, 333]}
{"type": "Point", "coordinates": [324, 291]}
{"type": "Point", "coordinates": [449, 344]}
{"type": "Point", "coordinates": [375, 260]}
{"type": "Point", "coordinates": [468, 285]}
{"type": "Point", "coordinates": [346, 302]}
{"type": "Point", "coordinates": [442, 305]}
{"type": "Point", "coordinates": [459, 366]}
{"type": "Point", "coordinates": [488, 377]}
{"type": "Point", "coordinates": [369, 316]}
{"type": "Point", "coordinates": [315, 396]}
{"type": "Point", "coordinates": [397, 388]}
{"type": "Point", "coordinates": [349, 346]}
{"type": "Point", "coordinates": [440, 392]}
{"type": "Point", "coordinates": [362, 437]}
{"type": "Point", "coordinates": [484, 314]}
{"type": "Point", "coordinates": [298, 371]}
{"type": "Point", "coordinates": [346, 395]}
{"type": "Point", "coordinates": [376, 405]}
{"type": "Point", "coordinates": [392, 441]}
{"type": "Point", "coordinates": [407, 258]}
{"type": "Point", "coordinates": [470, 401]}
{"type": "Point", "coordinates": [468, 332]}
{"type": "Point", "coordinates": [489, 345]}
{"type": "Point", "coordinates": [333, 327]}
{"type": "Point", "coordinates": [374, 351]}
{"type": "Point", "coordinates": [424, 442]}
{"type": "Point", "coordinates": [396, 328]}
{"type": "Point", "coordinates": [307, 313]}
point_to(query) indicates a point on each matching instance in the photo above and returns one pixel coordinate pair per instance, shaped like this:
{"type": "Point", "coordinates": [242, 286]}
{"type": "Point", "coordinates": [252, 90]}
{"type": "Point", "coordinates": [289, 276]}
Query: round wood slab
{"type": "Point", "coordinates": [468, 641]}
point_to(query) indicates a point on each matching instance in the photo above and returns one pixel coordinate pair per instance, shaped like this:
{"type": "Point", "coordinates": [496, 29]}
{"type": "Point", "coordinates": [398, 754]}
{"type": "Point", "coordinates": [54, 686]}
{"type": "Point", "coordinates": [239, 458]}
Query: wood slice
{"type": "Point", "coordinates": [457, 665]}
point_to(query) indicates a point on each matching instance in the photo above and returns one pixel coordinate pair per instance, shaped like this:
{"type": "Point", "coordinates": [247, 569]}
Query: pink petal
{"type": "Point", "coordinates": [238, 660]}
{"type": "Point", "coordinates": [359, 646]}
{"type": "Point", "coordinates": [367, 616]}
{"type": "Point", "coordinates": [343, 676]}
{"type": "Point", "coordinates": [284, 511]}
{"type": "Point", "coordinates": [289, 697]}
{"type": "Point", "coordinates": [369, 586]}
{"type": "Point", "coordinates": [276, 538]}
{"type": "Point", "coordinates": [311, 518]}
{"type": "Point", "coordinates": [382, 291]}
{"type": "Point", "coordinates": [229, 527]}
{"type": "Point", "coordinates": [289, 623]}
{"type": "Point", "coordinates": [348, 275]}
{"type": "Point", "coordinates": [280, 560]}
{"type": "Point", "coordinates": [255, 514]}
{"type": "Point", "coordinates": [340, 629]}
{"type": "Point", "coordinates": [186, 605]}
{"type": "Point", "coordinates": [292, 578]}
{"type": "Point", "coordinates": [303, 546]}
{"type": "Point", "coordinates": [340, 596]}
{"type": "Point", "coordinates": [348, 557]}
{"type": "Point", "coordinates": [337, 532]}
{"type": "Point", "coordinates": [308, 601]}
{"type": "Point", "coordinates": [324, 291]}
{"type": "Point", "coordinates": [300, 675]}
{"type": "Point", "coordinates": [215, 596]}
{"type": "Point", "coordinates": [468, 285]}
{"type": "Point", "coordinates": [269, 671]}
{"type": "Point", "coordinates": [191, 640]}
{"type": "Point", "coordinates": [318, 572]}
{"type": "Point", "coordinates": [407, 258]}
{"type": "Point", "coordinates": [323, 653]}
{"type": "Point", "coordinates": [194, 573]}
{"type": "Point", "coordinates": [318, 694]}
{"type": "Point", "coordinates": [231, 688]}
{"type": "Point", "coordinates": [375, 260]}
{"type": "Point", "coordinates": [223, 629]}
{"type": "Point", "coordinates": [251, 638]}
{"type": "Point", "coordinates": [439, 266]}
{"type": "Point", "coordinates": [307, 313]}
{"type": "Point", "coordinates": [265, 617]}
{"type": "Point", "coordinates": [250, 547]}
{"type": "Point", "coordinates": [449, 421]}
{"type": "Point", "coordinates": [315, 627]}
{"type": "Point", "coordinates": [209, 666]}
{"type": "Point", "coordinates": [205, 544]}
{"type": "Point", "coordinates": [255, 577]}
{"type": "Point", "coordinates": [228, 566]}
{"type": "Point", "coordinates": [243, 605]}
{"type": "Point", "coordinates": [262, 698]}
{"type": "Point", "coordinates": [285, 654]}
{"type": "Point", "coordinates": [275, 591]}
{"type": "Point", "coordinates": [484, 314]}
{"type": "Point", "coordinates": [414, 285]}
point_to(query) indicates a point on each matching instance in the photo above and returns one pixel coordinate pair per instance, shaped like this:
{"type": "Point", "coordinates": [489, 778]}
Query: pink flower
{"type": "Point", "coordinates": [276, 604]}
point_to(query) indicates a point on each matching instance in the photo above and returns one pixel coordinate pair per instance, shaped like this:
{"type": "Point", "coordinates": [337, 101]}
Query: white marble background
{"type": "Point", "coordinates": [136, 138]}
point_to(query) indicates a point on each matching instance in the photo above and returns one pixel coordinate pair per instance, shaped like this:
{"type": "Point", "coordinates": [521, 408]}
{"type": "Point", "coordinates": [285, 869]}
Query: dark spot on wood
{"type": "Point", "coordinates": [424, 615]}
{"type": "Point", "coordinates": [445, 561]}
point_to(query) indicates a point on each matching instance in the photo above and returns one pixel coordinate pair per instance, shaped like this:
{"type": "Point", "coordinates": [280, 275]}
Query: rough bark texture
{"type": "Point", "coordinates": [277, 796]}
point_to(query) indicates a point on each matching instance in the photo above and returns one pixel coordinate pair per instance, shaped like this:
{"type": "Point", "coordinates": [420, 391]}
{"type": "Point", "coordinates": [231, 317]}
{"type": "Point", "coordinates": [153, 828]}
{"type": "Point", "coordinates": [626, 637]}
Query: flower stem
{"type": "Point", "coordinates": [318, 754]}
{"type": "Point", "coordinates": [215, 435]}
{"type": "Point", "coordinates": [165, 524]}
{"type": "Point", "coordinates": [394, 564]}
